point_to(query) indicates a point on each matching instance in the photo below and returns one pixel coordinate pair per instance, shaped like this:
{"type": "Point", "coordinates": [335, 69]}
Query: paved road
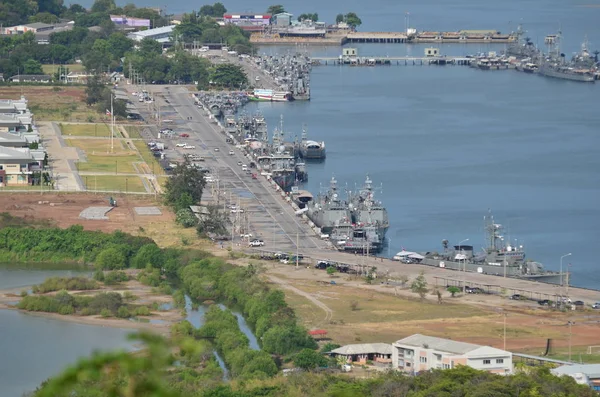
{"type": "Point", "coordinates": [272, 219]}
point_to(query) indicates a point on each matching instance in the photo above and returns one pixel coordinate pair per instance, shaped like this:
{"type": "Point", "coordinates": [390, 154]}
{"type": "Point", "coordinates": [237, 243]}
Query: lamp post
{"type": "Point", "coordinates": [561, 267]}
{"type": "Point", "coordinates": [464, 263]}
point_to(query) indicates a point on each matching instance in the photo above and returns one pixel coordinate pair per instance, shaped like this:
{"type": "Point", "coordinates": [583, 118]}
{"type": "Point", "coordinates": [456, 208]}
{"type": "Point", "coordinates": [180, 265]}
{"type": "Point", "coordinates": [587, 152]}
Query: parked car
{"type": "Point", "coordinates": [596, 305]}
{"type": "Point", "coordinates": [184, 135]}
{"type": "Point", "coordinates": [256, 243]}
{"type": "Point", "coordinates": [240, 163]}
{"type": "Point", "coordinates": [545, 302]}
{"type": "Point", "coordinates": [579, 303]}
{"type": "Point", "coordinates": [181, 144]}
{"type": "Point", "coordinates": [189, 147]}
{"type": "Point", "coordinates": [235, 210]}
{"type": "Point", "coordinates": [231, 152]}
{"type": "Point", "coordinates": [518, 297]}
{"type": "Point", "coordinates": [216, 149]}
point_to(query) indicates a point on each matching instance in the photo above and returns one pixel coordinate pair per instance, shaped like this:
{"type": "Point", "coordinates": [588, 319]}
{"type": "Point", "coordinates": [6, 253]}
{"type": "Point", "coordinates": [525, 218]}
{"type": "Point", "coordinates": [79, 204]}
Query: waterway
{"type": "Point", "coordinates": [34, 348]}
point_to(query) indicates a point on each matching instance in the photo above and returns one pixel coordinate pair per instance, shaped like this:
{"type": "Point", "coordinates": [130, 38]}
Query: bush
{"type": "Point", "coordinates": [115, 277]}
{"type": "Point", "coordinates": [128, 296]}
{"type": "Point", "coordinates": [105, 313]}
{"type": "Point", "coordinates": [186, 218]}
{"type": "Point", "coordinates": [99, 275]}
{"type": "Point", "coordinates": [150, 277]}
{"type": "Point", "coordinates": [142, 311]}
{"type": "Point", "coordinates": [66, 283]}
{"type": "Point", "coordinates": [24, 293]}
{"type": "Point", "coordinates": [110, 301]}
{"type": "Point", "coordinates": [86, 311]}
{"type": "Point", "coordinates": [123, 312]}
{"type": "Point", "coordinates": [66, 310]}
{"type": "Point", "coordinates": [110, 259]}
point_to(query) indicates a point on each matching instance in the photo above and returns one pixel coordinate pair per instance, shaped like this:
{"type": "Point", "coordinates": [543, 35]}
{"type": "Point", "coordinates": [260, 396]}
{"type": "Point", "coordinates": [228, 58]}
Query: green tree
{"type": "Point", "coordinates": [229, 76]}
{"type": "Point", "coordinates": [94, 90]}
{"type": "Point", "coordinates": [118, 45]}
{"type": "Point", "coordinates": [185, 179]}
{"type": "Point", "coordinates": [352, 20]}
{"type": "Point", "coordinates": [309, 359]}
{"type": "Point", "coordinates": [148, 254]}
{"type": "Point", "coordinates": [103, 6]}
{"type": "Point", "coordinates": [215, 222]}
{"type": "Point", "coordinates": [453, 290]}
{"type": "Point", "coordinates": [339, 18]}
{"type": "Point", "coordinates": [419, 285]}
{"type": "Point", "coordinates": [331, 270]}
{"type": "Point", "coordinates": [31, 66]}
{"type": "Point", "coordinates": [44, 17]}
{"type": "Point", "coordinates": [275, 9]}
{"type": "Point", "coordinates": [110, 258]}
{"type": "Point", "coordinates": [123, 312]}
{"type": "Point", "coordinates": [313, 17]}
{"type": "Point", "coordinates": [187, 32]}
{"type": "Point", "coordinates": [186, 218]}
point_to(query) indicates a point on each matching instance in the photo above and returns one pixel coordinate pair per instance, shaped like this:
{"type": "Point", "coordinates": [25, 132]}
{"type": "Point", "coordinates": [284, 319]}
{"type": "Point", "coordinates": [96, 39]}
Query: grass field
{"type": "Point", "coordinates": [151, 161]}
{"type": "Point", "coordinates": [54, 103]}
{"type": "Point", "coordinates": [132, 131]}
{"type": "Point", "coordinates": [97, 146]}
{"type": "Point", "coordinates": [109, 163]}
{"type": "Point", "coordinates": [114, 183]}
{"type": "Point", "coordinates": [91, 130]}
{"type": "Point", "coordinates": [578, 354]}
{"type": "Point", "coordinates": [73, 67]}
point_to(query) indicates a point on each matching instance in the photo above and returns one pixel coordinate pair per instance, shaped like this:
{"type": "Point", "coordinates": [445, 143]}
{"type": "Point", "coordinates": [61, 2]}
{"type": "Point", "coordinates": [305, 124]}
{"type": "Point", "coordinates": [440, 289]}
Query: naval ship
{"type": "Point", "coordinates": [328, 210]}
{"type": "Point", "coordinates": [311, 150]}
{"type": "Point", "coordinates": [366, 211]}
{"type": "Point", "coordinates": [348, 237]}
{"type": "Point", "coordinates": [499, 258]}
{"type": "Point", "coordinates": [555, 65]}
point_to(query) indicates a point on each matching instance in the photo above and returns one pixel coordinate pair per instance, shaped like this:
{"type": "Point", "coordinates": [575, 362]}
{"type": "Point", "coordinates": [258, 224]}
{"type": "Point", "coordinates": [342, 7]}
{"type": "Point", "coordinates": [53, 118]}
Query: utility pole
{"type": "Point", "coordinates": [297, 246]}
{"type": "Point", "coordinates": [112, 125]}
{"type": "Point", "coordinates": [570, 337]}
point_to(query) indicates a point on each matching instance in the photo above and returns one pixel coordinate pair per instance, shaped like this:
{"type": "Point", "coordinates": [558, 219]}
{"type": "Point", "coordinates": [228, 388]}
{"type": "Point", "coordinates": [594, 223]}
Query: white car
{"type": "Point", "coordinates": [256, 243]}
{"type": "Point", "coordinates": [181, 145]}
{"type": "Point", "coordinates": [231, 152]}
{"type": "Point", "coordinates": [189, 147]}
{"type": "Point", "coordinates": [233, 211]}
{"type": "Point", "coordinates": [240, 163]}
{"type": "Point", "coordinates": [216, 149]}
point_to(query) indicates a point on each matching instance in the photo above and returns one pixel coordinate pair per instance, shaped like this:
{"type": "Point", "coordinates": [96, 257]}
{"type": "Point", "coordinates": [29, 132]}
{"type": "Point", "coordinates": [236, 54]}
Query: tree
{"type": "Point", "coordinates": [219, 10]}
{"type": "Point", "coordinates": [103, 6]}
{"type": "Point", "coordinates": [229, 76]}
{"type": "Point", "coordinates": [52, 7]}
{"type": "Point", "coordinates": [352, 20]}
{"type": "Point", "coordinates": [148, 254]}
{"type": "Point", "coordinates": [313, 17]}
{"type": "Point", "coordinates": [331, 270]}
{"type": "Point", "coordinates": [419, 285]}
{"type": "Point", "coordinates": [215, 222]}
{"type": "Point", "coordinates": [453, 290]}
{"type": "Point", "coordinates": [339, 18]}
{"type": "Point", "coordinates": [275, 9]}
{"type": "Point", "coordinates": [187, 32]}
{"type": "Point", "coordinates": [186, 218]}
{"type": "Point", "coordinates": [185, 179]}
{"type": "Point", "coordinates": [309, 359]}
{"type": "Point", "coordinates": [110, 258]}
{"type": "Point", "coordinates": [31, 66]}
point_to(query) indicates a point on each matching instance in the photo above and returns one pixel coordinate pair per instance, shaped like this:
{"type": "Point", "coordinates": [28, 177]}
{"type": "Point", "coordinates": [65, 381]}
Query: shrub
{"type": "Point", "coordinates": [86, 311]}
{"type": "Point", "coordinates": [186, 218]}
{"type": "Point", "coordinates": [128, 296]}
{"type": "Point", "coordinates": [115, 277]}
{"type": "Point", "coordinates": [99, 275]}
{"type": "Point", "coordinates": [110, 258]}
{"type": "Point", "coordinates": [66, 310]}
{"type": "Point", "coordinates": [123, 312]}
{"type": "Point", "coordinates": [66, 283]}
{"type": "Point", "coordinates": [24, 293]}
{"type": "Point", "coordinates": [105, 313]}
{"type": "Point", "coordinates": [142, 311]}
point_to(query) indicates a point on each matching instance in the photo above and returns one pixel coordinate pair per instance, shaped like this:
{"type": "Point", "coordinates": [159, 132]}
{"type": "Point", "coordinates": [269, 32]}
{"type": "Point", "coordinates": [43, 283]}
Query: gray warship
{"type": "Point", "coordinates": [580, 68]}
{"type": "Point", "coordinates": [328, 209]}
{"type": "Point", "coordinates": [347, 237]}
{"type": "Point", "coordinates": [366, 211]}
{"type": "Point", "coordinates": [311, 150]}
{"type": "Point", "coordinates": [499, 258]}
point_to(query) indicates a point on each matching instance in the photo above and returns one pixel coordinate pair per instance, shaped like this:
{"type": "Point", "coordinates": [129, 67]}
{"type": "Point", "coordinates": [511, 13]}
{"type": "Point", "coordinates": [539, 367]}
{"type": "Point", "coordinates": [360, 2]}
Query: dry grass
{"type": "Point", "coordinates": [90, 129]}
{"type": "Point", "coordinates": [123, 184]}
{"type": "Point", "coordinates": [133, 131]}
{"type": "Point", "coordinates": [54, 103]}
{"type": "Point", "coordinates": [151, 161]}
{"type": "Point", "coordinates": [96, 146]}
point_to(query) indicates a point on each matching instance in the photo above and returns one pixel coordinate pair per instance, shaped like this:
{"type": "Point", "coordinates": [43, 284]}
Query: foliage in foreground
{"type": "Point", "coordinates": [67, 283]}
{"type": "Point", "coordinates": [183, 366]}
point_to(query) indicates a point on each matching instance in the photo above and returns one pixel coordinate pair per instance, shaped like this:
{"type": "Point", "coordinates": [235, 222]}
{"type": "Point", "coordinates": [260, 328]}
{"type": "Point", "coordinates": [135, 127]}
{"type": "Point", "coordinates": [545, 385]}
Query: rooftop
{"type": "Point", "coordinates": [6, 137]}
{"type": "Point", "coordinates": [591, 370]}
{"type": "Point", "coordinates": [441, 344]}
{"type": "Point", "coordinates": [38, 25]}
{"type": "Point", "coordinates": [15, 154]}
{"type": "Point", "coordinates": [155, 31]}
{"type": "Point", "coordinates": [364, 348]}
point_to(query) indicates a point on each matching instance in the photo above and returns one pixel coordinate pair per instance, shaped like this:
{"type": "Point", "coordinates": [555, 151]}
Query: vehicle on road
{"type": "Point", "coordinates": [181, 145]}
{"type": "Point", "coordinates": [579, 303]}
{"type": "Point", "coordinates": [256, 243]}
{"type": "Point", "coordinates": [184, 135]}
{"type": "Point", "coordinates": [231, 152]}
{"type": "Point", "coordinates": [216, 149]}
{"type": "Point", "coordinates": [596, 305]}
{"type": "Point", "coordinates": [240, 163]}
{"type": "Point", "coordinates": [233, 211]}
{"type": "Point", "coordinates": [257, 78]}
{"type": "Point", "coordinates": [189, 147]}
{"type": "Point", "coordinates": [244, 167]}
{"type": "Point", "coordinates": [517, 297]}
{"type": "Point", "coordinates": [545, 302]}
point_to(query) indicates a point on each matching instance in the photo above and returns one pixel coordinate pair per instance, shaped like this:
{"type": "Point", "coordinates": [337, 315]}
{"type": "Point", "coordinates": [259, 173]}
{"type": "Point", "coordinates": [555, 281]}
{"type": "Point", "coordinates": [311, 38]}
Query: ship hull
{"type": "Point", "coordinates": [566, 76]}
{"type": "Point", "coordinates": [313, 154]}
{"type": "Point", "coordinates": [285, 181]}
{"type": "Point", "coordinates": [511, 271]}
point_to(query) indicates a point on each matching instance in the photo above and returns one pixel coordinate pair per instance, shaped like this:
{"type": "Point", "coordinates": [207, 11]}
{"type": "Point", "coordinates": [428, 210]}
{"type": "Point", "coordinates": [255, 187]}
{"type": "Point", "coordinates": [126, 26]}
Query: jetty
{"type": "Point", "coordinates": [400, 61]}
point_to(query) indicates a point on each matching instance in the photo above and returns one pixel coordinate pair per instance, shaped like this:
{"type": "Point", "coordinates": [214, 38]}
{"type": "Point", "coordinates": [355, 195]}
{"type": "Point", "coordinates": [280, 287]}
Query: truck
{"type": "Point", "coordinates": [161, 146]}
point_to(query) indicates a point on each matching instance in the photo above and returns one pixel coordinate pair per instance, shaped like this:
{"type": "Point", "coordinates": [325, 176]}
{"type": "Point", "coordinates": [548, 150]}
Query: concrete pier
{"type": "Point", "coordinates": [399, 61]}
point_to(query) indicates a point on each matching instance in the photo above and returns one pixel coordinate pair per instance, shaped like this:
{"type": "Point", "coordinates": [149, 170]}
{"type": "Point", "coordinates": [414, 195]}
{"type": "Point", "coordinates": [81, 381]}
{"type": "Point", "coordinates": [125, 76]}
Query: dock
{"type": "Point", "coordinates": [337, 38]}
{"type": "Point", "coordinates": [389, 61]}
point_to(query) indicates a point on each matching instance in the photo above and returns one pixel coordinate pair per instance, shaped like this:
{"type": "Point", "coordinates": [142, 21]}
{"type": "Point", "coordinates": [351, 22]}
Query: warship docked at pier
{"type": "Point", "coordinates": [311, 150]}
{"type": "Point", "coordinates": [499, 258]}
{"type": "Point", "coordinates": [291, 72]}
{"type": "Point", "coordinates": [581, 68]}
{"type": "Point", "coordinates": [358, 224]}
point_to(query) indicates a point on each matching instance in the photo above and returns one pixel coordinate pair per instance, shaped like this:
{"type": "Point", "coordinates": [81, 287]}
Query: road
{"type": "Point", "coordinates": [274, 220]}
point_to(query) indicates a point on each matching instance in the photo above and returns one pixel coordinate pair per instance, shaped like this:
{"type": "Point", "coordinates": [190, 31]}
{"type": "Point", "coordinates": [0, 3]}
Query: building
{"type": "Point", "coordinates": [130, 22]}
{"type": "Point", "coordinates": [283, 19]}
{"type": "Point", "coordinates": [36, 27]}
{"type": "Point", "coordinates": [31, 78]}
{"type": "Point", "coordinates": [13, 106]}
{"type": "Point", "coordinates": [419, 353]}
{"type": "Point", "coordinates": [17, 166]}
{"type": "Point", "coordinates": [584, 374]}
{"type": "Point", "coordinates": [361, 353]}
{"type": "Point", "coordinates": [250, 22]}
{"type": "Point", "coordinates": [16, 122]}
{"type": "Point", "coordinates": [12, 140]}
{"type": "Point", "coordinates": [162, 34]}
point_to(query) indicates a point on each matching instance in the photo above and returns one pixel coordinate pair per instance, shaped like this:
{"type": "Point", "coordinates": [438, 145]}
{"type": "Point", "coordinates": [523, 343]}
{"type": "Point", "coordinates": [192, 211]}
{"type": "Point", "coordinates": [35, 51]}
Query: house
{"type": "Point", "coordinates": [130, 22]}
{"type": "Point", "coordinates": [36, 27]}
{"type": "Point", "coordinates": [419, 353]}
{"type": "Point", "coordinates": [12, 140]}
{"type": "Point", "coordinates": [162, 34]}
{"type": "Point", "coordinates": [361, 353]}
{"type": "Point", "coordinates": [584, 374]}
{"type": "Point", "coordinates": [31, 78]}
{"type": "Point", "coordinates": [13, 106]}
{"type": "Point", "coordinates": [16, 122]}
{"type": "Point", "coordinates": [17, 166]}
{"type": "Point", "coordinates": [283, 19]}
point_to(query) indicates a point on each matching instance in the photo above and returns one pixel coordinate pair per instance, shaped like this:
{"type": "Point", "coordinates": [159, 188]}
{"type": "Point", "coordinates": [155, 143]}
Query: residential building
{"type": "Point", "coordinates": [31, 78]}
{"type": "Point", "coordinates": [419, 353]}
{"type": "Point", "coordinates": [16, 122]}
{"type": "Point", "coordinates": [130, 22]}
{"type": "Point", "coordinates": [13, 106]}
{"type": "Point", "coordinates": [30, 27]}
{"type": "Point", "coordinates": [584, 374]}
{"type": "Point", "coordinates": [250, 22]}
{"type": "Point", "coordinates": [12, 140]}
{"type": "Point", "coordinates": [361, 353]}
{"type": "Point", "coordinates": [162, 34]}
{"type": "Point", "coordinates": [17, 166]}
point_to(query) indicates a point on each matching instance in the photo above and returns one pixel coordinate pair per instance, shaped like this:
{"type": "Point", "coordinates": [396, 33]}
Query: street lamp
{"type": "Point", "coordinates": [561, 267]}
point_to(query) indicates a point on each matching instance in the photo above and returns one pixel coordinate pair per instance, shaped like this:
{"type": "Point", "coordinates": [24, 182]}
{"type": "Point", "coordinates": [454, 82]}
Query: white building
{"type": "Point", "coordinates": [418, 353]}
{"type": "Point", "coordinates": [162, 34]}
{"type": "Point", "coordinates": [584, 374]}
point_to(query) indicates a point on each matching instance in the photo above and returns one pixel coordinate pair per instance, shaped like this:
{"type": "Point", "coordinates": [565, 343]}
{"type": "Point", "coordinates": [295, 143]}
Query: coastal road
{"type": "Point", "coordinates": [274, 220]}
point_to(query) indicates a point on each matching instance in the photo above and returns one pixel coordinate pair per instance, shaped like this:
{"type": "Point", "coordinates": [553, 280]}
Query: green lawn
{"type": "Point", "coordinates": [52, 68]}
{"type": "Point", "coordinates": [109, 163]}
{"type": "Point", "coordinates": [26, 187]}
{"type": "Point", "coordinates": [114, 183]}
{"type": "Point", "coordinates": [133, 131]}
{"type": "Point", "coordinates": [97, 146]}
{"type": "Point", "coordinates": [90, 129]}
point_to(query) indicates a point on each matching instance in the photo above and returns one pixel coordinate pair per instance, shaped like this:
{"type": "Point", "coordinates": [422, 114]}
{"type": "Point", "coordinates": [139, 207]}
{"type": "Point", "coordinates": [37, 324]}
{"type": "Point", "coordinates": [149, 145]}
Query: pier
{"type": "Point", "coordinates": [399, 61]}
